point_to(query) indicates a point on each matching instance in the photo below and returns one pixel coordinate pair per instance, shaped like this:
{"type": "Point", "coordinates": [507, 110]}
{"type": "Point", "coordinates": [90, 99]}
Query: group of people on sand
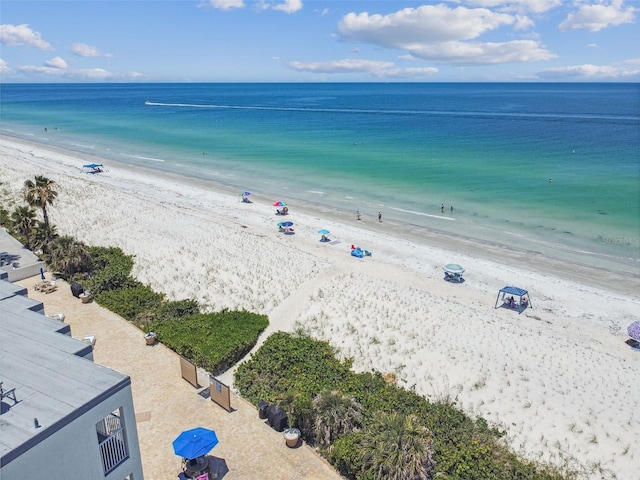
{"type": "Point", "coordinates": [359, 217]}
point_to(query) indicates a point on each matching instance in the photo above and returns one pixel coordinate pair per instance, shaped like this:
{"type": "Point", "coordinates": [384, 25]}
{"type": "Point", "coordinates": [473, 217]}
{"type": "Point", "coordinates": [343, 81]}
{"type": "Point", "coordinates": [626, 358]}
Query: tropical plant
{"type": "Point", "coordinates": [40, 193]}
{"type": "Point", "coordinates": [110, 270]}
{"type": "Point", "coordinates": [335, 414]}
{"type": "Point", "coordinates": [5, 217]}
{"type": "Point", "coordinates": [23, 220]}
{"type": "Point", "coordinates": [396, 447]}
{"type": "Point", "coordinates": [67, 256]}
{"type": "Point", "coordinates": [40, 238]}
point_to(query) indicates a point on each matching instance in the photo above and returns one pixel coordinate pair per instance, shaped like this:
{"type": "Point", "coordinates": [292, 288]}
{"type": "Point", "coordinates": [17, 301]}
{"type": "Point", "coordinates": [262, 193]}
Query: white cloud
{"type": "Point", "coordinates": [226, 4]}
{"type": "Point", "coordinates": [84, 50]}
{"type": "Point", "coordinates": [4, 67]}
{"type": "Point", "coordinates": [591, 72]}
{"type": "Point", "coordinates": [341, 66]}
{"type": "Point", "coordinates": [56, 62]}
{"type": "Point", "coordinates": [51, 69]}
{"type": "Point", "coordinates": [374, 68]}
{"type": "Point", "coordinates": [522, 6]}
{"type": "Point", "coordinates": [467, 53]}
{"type": "Point", "coordinates": [596, 17]}
{"type": "Point", "coordinates": [288, 6]}
{"type": "Point", "coordinates": [442, 34]}
{"type": "Point", "coordinates": [15, 35]}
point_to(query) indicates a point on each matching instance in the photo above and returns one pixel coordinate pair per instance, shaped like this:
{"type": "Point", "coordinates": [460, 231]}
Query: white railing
{"type": "Point", "coordinates": [113, 450]}
{"type": "Point", "coordinates": [108, 425]}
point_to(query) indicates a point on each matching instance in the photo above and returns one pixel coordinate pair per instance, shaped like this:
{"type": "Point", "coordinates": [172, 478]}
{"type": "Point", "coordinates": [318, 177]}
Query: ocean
{"type": "Point", "coordinates": [545, 168]}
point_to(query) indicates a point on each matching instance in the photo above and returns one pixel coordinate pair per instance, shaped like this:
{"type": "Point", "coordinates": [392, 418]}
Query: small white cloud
{"type": "Point", "coordinates": [84, 50]}
{"type": "Point", "coordinates": [341, 66]}
{"type": "Point", "coordinates": [591, 72]}
{"type": "Point", "coordinates": [288, 6]}
{"type": "Point", "coordinates": [15, 35]}
{"type": "Point", "coordinates": [4, 67]}
{"type": "Point", "coordinates": [522, 6]}
{"type": "Point", "coordinates": [56, 62]}
{"type": "Point", "coordinates": [597, 17]}
{"type": "Point", "coordinates": [593, 45]}
{"type": "Point", "coordinates": [374, 68]}
{"type": "Point", "coordinates": [226, 4]}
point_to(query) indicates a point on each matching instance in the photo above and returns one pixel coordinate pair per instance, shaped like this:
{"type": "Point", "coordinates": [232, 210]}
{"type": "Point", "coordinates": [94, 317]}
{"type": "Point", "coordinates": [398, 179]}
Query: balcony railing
{"type": "Point", "coordinates": [113, 450]}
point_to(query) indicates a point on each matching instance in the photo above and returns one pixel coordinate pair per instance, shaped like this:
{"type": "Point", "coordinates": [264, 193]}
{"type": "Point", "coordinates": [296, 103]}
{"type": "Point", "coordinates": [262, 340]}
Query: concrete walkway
{"type": "Point", "coordinates": [165, 404]}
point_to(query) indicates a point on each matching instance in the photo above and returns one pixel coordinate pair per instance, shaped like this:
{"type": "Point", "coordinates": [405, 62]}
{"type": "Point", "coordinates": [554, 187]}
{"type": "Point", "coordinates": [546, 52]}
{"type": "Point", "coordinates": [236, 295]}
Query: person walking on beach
{"type": "Point", "coordinates": [380, 216]}
{"type": "Point", "coordinates": [357, 214]}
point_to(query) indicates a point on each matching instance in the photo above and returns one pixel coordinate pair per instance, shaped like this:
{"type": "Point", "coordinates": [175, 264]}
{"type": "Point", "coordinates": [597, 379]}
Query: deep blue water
{"type": "Point", "coordinates": [487, 149]}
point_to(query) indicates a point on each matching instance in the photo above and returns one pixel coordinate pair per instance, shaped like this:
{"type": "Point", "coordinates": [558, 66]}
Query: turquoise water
{"type": "Point", "coordinates": [489, 150]}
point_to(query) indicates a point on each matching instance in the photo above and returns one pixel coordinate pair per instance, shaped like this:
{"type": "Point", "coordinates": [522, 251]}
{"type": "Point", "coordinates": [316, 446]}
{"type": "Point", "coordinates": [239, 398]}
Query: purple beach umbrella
{"type": "Point", "coordinates": [634, 330]}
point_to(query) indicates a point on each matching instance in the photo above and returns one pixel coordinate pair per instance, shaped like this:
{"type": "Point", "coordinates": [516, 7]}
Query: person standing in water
{"type": "Point", "coordinates": [380, 216]}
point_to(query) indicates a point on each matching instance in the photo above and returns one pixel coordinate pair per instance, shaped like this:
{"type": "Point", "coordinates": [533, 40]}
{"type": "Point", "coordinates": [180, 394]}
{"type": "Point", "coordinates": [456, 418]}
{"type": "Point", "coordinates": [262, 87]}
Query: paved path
{"type": "Point", "coordinates": [165, 404]}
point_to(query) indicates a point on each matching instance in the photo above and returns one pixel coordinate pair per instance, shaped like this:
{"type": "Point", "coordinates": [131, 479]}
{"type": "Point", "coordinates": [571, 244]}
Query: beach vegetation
{"type": "Point", "coordinates": [334, 414]}
{"type": "Point", "coordinates": [110, 269]}
{"type": "Point", "coordinates": [132, 302]}
{"type": "Point", "coordinates": [39, 193]}
{"type": "Point", "coordinates": [23, 222]}
{"type": "Point", "coordinates": [455, 446]}
{"type": "Point", "coordinates": [396, 446]}
{"type": "Point", "coordinates": [213, 341]}
{"type": "Point", "coordinates": [66, 256]}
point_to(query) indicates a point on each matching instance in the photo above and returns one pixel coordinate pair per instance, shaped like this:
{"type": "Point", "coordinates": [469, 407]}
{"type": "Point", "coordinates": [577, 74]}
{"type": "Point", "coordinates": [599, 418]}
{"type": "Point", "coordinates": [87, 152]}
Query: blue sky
{"type": "Point", "coordinates": [319, 41]}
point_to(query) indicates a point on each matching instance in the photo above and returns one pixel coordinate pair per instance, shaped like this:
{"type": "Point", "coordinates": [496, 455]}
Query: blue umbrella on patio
{"type": "Point", "coordinates": [195, 443]}
{"type": "Point", "coordinates": [41, 273]}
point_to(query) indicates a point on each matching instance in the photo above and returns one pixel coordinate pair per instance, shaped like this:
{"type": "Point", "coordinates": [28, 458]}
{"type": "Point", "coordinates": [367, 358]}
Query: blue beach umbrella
{"type": "Point", "coordinates": [285, 224]}
{"type": "Point", "coordinates": [324, 231]}
{"type": "Point", "coordinates": [246, 194]}
{"type": "Point", "coordinates": [195, 443]}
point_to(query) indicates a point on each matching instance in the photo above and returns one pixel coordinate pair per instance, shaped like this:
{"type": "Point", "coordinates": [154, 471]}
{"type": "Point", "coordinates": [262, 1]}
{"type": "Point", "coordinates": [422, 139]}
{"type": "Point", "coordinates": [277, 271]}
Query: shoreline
{"type": "Point", "coordinates": [555, 378]}
{"type": "Point", "coordinates": [599, 276]}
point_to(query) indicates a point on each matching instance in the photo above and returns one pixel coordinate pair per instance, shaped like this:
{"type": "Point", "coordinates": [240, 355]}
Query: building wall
{"type": "Point", "coordinates": [72, 452]}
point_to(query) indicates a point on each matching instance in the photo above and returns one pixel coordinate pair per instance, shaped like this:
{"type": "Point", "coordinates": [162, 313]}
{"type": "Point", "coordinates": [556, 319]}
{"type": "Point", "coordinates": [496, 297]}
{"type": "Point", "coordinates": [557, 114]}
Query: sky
{"type": "Point", "coordinates": [319, 41]}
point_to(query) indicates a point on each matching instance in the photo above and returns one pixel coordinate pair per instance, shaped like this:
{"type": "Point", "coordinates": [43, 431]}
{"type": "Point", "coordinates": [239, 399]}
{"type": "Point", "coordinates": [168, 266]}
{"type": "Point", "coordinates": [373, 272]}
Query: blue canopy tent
{"type": "Point", "coordinates": [510, 302]}
{"type": "Point", "coordinates": [93, 167]}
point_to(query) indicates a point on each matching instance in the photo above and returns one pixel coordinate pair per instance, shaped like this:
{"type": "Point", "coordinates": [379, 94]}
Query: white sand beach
{"type": "Point", "coordinates": [558, 378]}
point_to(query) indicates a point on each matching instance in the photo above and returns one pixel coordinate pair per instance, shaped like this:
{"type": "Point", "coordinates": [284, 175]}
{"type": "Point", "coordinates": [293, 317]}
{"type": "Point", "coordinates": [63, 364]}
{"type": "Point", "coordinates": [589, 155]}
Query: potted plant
{"type": "Point", "coordinates": [150, 338]}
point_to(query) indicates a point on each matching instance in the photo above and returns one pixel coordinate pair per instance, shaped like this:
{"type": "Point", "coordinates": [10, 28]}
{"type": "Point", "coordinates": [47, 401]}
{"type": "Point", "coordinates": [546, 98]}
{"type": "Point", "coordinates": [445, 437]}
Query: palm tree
{"type": "Point", "coordinates": [40, 239]}
{"type": "Point", "coordinates": [24, 221]}
{"type": "Point", "coordinates": [68, 256]}
{"type": "Point", "coordinates": [397, 447]}
{"type": "Point", "coordinates": [335, 415]}
{"type": "Point", "coordinates": [40, 194]}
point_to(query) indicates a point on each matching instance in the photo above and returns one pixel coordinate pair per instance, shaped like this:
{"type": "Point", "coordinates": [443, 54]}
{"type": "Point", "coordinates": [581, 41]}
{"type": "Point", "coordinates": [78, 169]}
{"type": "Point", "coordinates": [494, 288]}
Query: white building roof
{"type": "Point", "coordinates": [53, 382]}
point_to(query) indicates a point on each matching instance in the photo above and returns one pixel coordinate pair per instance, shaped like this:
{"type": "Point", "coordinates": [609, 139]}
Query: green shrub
{"type": "Point", "coordinates": [131, 302]}
{"type": "Point", "coordinates": [110, 270]}
{"type": "Point", "coordinates": [213, 341]}
{"type": "Point", "coordinates": [178, 309]}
